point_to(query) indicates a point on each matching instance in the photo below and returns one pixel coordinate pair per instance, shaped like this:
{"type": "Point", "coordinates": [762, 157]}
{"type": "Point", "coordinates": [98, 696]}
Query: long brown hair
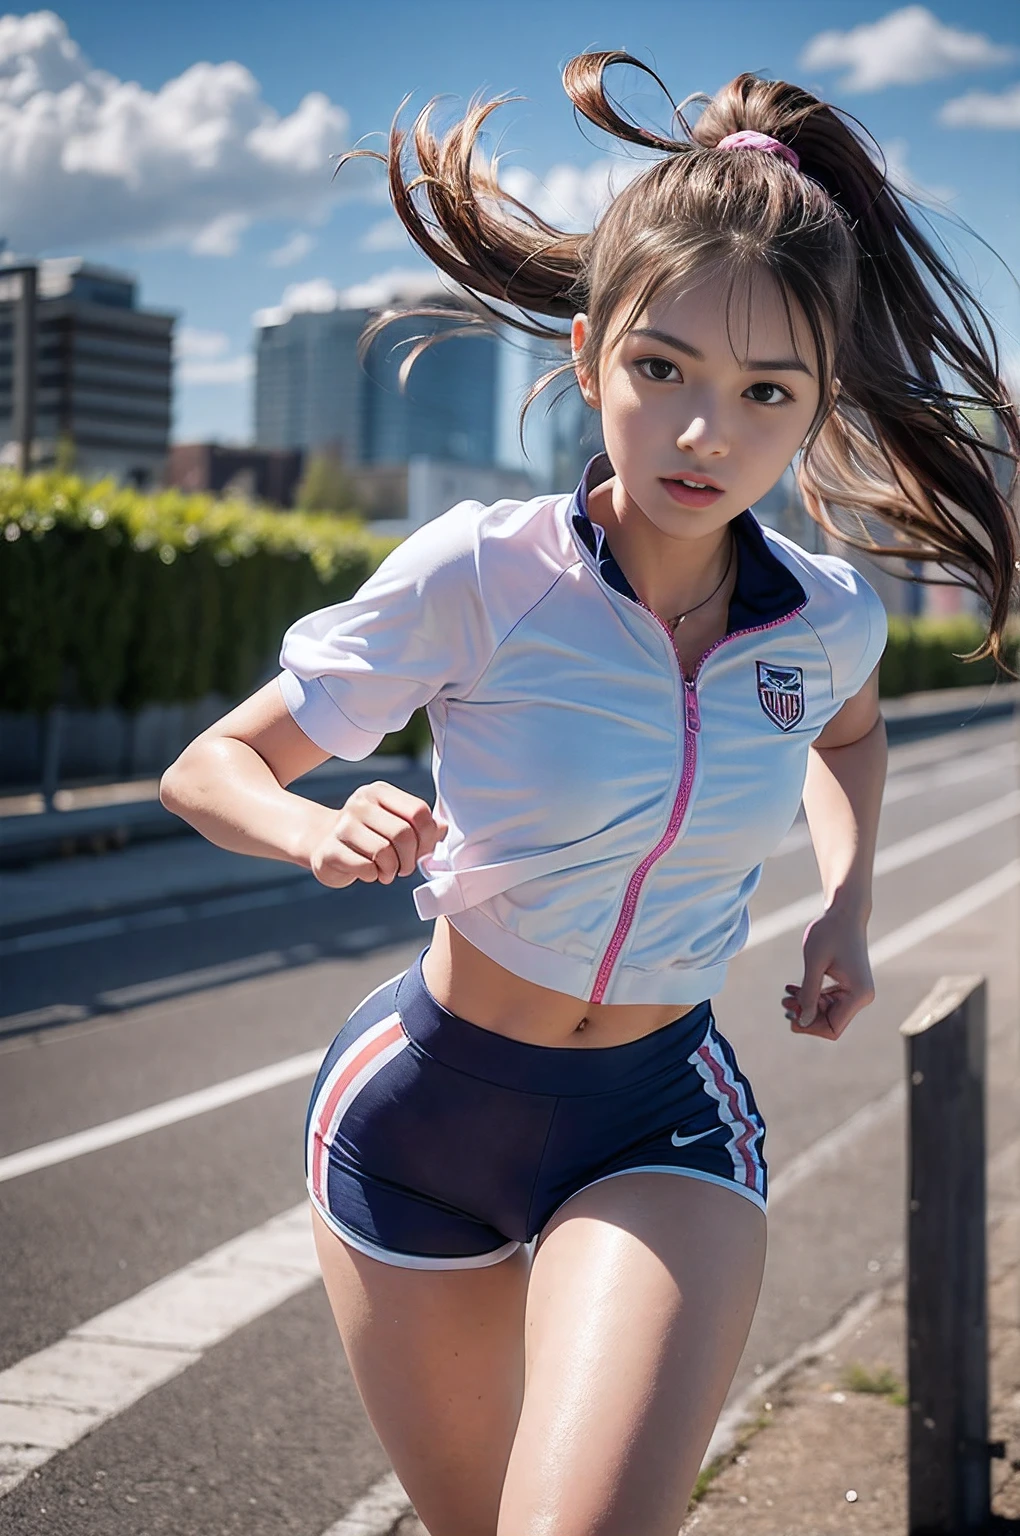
{"type": "Point", "coordinates": [894, 464]}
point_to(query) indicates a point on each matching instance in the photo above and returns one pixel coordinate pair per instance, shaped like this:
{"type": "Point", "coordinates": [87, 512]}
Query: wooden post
{"type": "Point", "coordinates": [947, 1321]}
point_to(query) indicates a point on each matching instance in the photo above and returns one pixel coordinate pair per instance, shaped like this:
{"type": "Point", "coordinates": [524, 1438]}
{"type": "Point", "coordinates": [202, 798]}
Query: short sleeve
{"type": "Point", "coordinates": [857, 637]}
{"type": "Point", "coordinates": [417, 627]}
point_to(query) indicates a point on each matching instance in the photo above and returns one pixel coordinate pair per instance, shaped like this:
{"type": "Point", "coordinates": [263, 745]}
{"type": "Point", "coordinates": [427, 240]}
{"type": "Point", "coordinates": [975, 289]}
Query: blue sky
{"type": "Point", "coordinates": [213, 183]}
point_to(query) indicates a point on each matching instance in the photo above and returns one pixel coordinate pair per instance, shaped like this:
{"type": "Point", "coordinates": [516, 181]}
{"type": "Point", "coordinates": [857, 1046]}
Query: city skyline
{"type": "Point", "coordinates": [195, 152]}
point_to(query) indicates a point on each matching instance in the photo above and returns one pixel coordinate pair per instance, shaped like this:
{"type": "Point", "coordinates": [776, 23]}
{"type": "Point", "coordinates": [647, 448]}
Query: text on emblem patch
{"type": "Point", "coordinates": [781, 694]}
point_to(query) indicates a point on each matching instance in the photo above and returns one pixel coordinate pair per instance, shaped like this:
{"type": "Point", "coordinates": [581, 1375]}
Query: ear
{"type": "Point", "coordinates": [578, 337]}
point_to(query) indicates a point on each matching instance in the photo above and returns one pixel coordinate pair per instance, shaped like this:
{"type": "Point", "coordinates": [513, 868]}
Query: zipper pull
{"type": "Point", "coordinates": [692, 711]}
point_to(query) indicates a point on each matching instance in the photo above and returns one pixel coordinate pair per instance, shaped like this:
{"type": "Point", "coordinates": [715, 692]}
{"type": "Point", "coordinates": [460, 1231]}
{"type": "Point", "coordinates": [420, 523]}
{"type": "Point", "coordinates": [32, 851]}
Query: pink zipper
{"type": "Point", "coordinates": [692, 726]}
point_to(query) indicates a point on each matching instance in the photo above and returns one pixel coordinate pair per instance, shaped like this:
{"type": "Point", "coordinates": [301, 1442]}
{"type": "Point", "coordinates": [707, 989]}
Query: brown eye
{"type": "Point", "coordinates": [775, 389]}
{"type": "Point", "coordinates": [658, 368]}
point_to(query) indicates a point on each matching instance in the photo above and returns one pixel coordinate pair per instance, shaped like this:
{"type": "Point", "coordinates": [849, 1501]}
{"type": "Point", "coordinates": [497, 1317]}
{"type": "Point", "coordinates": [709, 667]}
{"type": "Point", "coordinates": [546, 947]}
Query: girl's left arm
{"type": "Point", "coordinates": [842, 802]}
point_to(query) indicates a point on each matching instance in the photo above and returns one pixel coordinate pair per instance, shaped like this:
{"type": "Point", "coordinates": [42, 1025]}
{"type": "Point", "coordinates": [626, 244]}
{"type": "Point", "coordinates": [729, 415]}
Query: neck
{"type": "Point", "coordinates": [670, 575]}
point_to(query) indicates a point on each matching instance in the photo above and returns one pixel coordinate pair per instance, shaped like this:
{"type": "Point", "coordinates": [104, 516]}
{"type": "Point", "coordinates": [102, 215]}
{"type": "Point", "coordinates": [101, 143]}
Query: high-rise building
{"type": "Point", "coordinates": [561, 432]}
{"type": "Point", "coordinates": [309, 384]}
{"type": "Point", "coordinates": [312, 392]}
{"type": "Point", "coordinates": [103, 372]}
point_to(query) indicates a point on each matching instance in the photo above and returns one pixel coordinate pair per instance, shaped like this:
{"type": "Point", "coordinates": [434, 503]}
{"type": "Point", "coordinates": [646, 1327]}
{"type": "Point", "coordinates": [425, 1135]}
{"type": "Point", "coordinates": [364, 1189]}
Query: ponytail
{"type": "Point", "coordinates": [894, 464]}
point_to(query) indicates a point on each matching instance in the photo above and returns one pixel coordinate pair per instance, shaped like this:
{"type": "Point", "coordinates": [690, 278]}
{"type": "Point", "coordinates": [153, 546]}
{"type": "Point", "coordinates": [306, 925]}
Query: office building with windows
{"type": "Point", "coordinates": [103, 372]}
{"type": "Point", "coordinates": [313, 393]}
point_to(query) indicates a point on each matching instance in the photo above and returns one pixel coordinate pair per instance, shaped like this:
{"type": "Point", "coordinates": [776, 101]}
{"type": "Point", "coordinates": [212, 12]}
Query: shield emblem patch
{"type": "Point", "coordinates": [781, 694]}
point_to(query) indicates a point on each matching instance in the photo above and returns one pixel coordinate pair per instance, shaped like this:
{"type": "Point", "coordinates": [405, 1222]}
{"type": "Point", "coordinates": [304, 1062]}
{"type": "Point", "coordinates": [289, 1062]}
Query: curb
{"type": "Point", "coordinates": [917, 715]}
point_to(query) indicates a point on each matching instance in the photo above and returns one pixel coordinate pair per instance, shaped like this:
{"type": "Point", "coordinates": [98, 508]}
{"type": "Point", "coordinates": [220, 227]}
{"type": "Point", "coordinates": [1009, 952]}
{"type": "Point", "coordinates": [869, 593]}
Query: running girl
{"type": "Point", "coordinates": [535, 1165]}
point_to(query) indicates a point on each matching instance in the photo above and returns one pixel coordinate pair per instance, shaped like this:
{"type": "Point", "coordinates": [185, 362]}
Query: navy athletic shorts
{"type": "Point", "coordinates": [434, 1144]}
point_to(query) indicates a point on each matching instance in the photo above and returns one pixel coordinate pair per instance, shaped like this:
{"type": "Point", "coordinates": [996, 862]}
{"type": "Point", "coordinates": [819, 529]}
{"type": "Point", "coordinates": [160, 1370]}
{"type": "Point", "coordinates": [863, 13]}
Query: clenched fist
{"type": "Point", "coordinates": [380, 833]}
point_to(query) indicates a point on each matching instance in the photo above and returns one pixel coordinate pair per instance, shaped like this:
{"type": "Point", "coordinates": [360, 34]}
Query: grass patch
{"type": "Point", "coordinates": [881, 1383]}
{"type": "Point", "coordinates": [707, 1476]}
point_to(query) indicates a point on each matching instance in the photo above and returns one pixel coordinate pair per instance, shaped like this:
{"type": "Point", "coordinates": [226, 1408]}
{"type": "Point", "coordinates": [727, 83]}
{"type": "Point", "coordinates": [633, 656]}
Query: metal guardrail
{"type": "Point", "coordinates": [98, 828]}
{"type": "Point", "coordinates": [949, 1453]}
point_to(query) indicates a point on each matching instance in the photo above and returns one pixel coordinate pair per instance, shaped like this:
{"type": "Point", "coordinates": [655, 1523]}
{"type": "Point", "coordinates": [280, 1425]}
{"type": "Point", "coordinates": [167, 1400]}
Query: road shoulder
{"type": "Point", "coordinates": [827, 1450]}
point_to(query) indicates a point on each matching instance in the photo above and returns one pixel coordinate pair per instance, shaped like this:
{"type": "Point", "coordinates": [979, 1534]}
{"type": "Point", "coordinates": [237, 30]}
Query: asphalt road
{"type": "Point", "coordinates": [221, 1402]}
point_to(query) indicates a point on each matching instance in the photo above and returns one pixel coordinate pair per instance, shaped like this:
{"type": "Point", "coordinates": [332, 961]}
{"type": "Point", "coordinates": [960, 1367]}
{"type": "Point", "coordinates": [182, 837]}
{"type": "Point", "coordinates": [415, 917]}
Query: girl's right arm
{"type": "Point", "coordinates": [230, 785]}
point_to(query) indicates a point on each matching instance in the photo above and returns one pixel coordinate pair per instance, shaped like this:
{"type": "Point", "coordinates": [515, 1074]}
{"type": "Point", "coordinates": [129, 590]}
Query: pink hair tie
{"type": "Point", "coordinates": [747, 138]}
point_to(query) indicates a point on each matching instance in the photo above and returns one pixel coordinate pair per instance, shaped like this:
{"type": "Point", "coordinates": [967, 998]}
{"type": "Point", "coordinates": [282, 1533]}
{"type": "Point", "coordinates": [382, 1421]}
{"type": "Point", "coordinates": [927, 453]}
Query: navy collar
{"type": "Point", "coordinates": [766, 590]}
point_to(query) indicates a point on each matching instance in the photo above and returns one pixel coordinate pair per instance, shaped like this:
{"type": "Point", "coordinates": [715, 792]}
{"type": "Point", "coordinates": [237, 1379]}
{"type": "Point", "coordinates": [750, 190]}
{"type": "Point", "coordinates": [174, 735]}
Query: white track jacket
{"type": "Point", "coordinates": [608, 818]}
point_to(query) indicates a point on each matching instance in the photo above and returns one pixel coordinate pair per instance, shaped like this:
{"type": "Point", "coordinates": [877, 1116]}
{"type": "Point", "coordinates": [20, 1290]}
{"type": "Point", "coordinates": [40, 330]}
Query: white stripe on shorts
{"type": "Point", "coordinates": [731, 1100]}
{"type": "Point", "coordinates": [365, 1045]}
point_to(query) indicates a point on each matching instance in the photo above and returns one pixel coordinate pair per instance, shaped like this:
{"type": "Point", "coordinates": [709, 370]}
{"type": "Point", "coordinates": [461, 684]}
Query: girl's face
{"type": "Point", "coordinates": [678, 399]}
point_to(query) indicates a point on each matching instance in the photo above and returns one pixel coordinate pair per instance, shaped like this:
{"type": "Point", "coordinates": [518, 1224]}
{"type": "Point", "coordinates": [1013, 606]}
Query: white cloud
{"type": "Point", "coordinates": [903, 179]}
{"type": "Point", "coordinates": [225, 370]}
{"type": "Point", "coordinates": [570, 196]}
{"type": "Point", "coordinates": [983, 109]}
{"type": "Point", "coordinates": [199, 358]}
{"type": "Point", "coordinates": [388, 235]}
{"type": "Point", "coordinates": [86, 158]}
{"type": "Point", "coordinates": [317, 295]}
{"type": "Point", "coordinates": [220, 237]}
{"type": "Point", "coordinates": [567, 196]}
{"type": "Point", "coordinates": [902, 48]}
{"type": "Point", "coordinates": [296, 248]}
{"type": "Point", "coordinates": [190, 342]}
{"type": "Point", "coordinates": [400, 285]}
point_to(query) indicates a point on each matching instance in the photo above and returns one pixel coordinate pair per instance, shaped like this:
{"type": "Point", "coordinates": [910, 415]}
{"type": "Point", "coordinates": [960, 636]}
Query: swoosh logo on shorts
{"type": "Point", "coordinates": [683, 1141]}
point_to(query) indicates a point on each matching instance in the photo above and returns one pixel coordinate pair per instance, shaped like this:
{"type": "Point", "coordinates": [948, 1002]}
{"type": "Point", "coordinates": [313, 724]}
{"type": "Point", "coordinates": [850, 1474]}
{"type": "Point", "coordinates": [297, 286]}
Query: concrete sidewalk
{"type": "Point", "coordinates": [827, 1449]}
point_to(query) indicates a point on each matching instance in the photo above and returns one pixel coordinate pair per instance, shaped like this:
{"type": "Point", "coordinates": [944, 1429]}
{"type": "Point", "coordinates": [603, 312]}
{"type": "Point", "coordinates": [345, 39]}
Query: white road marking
{"type": "Point", "coordinates": [120, 998]}
{"type": "Point", "coordinates": [161, 917]}
{"type": "Point", "coordinates": [954, 745]}
{"type": "Point", "coordinates": [188, 981]}
{"type": "Point", "coordinates": [904, 786]}
{"type": "Point", "coordinates": [829, 1148]}
{"type": "Point", "coordinates": [792, 916]}
{"type": "Point", "coordinates": [63, 1148]}
{"type": "Point", "coordinates": [833, 1144]}
{"type": "Point", "coordinates": [946, 914]}
{"type": "Point", "coordinates": [921, 846]}
{"type": "Point", "coordinates": [52, 1399]}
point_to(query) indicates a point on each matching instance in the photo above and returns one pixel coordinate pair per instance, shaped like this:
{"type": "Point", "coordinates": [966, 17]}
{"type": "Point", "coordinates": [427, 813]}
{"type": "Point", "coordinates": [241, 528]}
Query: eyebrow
{"type": "Point", "coordinates": [752, 365]}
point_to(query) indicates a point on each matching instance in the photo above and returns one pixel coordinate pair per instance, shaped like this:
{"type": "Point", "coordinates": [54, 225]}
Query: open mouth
{"type": "Point", "coordinates": [693, 492]}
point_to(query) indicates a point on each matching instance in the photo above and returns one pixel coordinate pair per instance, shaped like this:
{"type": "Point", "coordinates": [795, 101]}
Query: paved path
{"type": "Point", "coordinates": [167, 1361]}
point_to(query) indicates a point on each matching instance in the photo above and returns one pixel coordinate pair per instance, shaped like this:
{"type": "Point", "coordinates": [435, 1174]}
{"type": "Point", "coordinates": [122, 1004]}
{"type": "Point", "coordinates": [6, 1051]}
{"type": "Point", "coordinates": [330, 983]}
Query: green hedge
{"type": "Point", "coordinates": [924, 653]}
{"type": "Point", "coordinates": [114, 596]}
{"type": "Point", "coordinates": [156, 598]}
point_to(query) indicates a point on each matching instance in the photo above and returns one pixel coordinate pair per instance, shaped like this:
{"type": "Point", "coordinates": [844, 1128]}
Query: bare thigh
{"type": "Point", "coordinates": [641, 1296]}
{"type": "Point", "coordinates": [438, 1359]}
